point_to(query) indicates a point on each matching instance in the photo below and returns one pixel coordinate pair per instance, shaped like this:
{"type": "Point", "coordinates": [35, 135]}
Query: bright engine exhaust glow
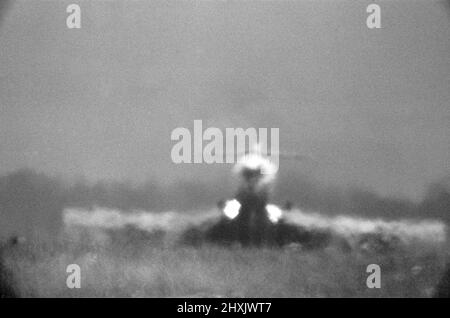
{"type": "Point", "coordinates": [231, 209]}
{"type": "Point", "coordinates": [274, 213]}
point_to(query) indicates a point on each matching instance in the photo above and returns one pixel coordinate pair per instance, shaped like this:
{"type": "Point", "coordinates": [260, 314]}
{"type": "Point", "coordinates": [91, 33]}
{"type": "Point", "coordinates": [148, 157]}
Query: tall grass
{"type": "Point", "coordinates": [152, 270]}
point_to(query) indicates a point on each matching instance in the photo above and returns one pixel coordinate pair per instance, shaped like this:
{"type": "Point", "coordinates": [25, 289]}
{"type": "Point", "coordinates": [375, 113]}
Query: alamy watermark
{"type": "Point", "coordinates": [374, 279]}
{"type": "Point", "coordinates": [74, 278]}
{"type": "Point", "coordinates": [214, 145]}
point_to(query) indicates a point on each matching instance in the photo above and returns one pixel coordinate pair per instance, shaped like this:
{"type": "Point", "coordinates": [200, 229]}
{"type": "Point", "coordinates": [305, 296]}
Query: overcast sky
{"type": "Point", "coordinates": [372, 107]}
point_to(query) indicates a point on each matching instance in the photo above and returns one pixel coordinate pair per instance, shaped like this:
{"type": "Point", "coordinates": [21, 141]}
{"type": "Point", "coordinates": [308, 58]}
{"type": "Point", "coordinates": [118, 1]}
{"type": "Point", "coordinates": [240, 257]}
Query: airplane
{"type": "Point", "coordinates": [249, 218]}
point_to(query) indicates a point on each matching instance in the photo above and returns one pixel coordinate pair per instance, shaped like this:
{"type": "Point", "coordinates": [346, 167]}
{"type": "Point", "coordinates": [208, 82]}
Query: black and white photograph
{"type": "Point", "coordinates": [224, 149]}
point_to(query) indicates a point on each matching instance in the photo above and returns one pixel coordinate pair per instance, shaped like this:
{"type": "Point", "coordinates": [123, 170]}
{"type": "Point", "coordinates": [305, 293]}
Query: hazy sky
{"type": "Point", "coordinates": [371, 106]}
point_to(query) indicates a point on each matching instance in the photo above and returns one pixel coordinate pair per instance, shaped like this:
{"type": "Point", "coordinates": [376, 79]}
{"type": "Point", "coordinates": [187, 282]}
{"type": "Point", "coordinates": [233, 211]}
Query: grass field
{"type": "Point", "coordinates": [153, 270]}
